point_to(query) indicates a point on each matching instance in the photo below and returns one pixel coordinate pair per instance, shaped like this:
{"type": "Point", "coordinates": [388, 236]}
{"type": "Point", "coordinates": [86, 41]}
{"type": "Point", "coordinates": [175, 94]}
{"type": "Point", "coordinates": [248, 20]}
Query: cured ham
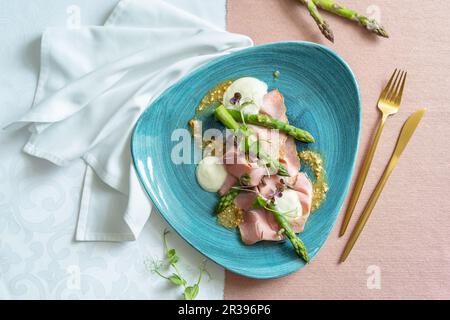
{"type": "Point", "coordinates": [230, 181]}
{"type": "Point", "coordinates": [259, 224]}
{"type": "Point", "coordinates": [273, 105]}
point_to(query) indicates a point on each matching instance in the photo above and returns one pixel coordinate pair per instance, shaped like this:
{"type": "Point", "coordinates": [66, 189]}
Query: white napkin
{"type": "Point", "coordinates": [93, 85]}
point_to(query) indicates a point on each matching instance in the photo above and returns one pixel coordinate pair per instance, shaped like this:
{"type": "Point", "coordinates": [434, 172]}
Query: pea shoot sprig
{"type": "Point", "coordinates": [169, 262]}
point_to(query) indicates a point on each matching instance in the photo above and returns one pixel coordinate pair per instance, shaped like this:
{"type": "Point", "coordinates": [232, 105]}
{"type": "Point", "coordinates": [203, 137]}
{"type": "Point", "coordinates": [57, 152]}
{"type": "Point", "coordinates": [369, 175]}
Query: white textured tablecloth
{"type": "Point", "coordinates": [39, 201]}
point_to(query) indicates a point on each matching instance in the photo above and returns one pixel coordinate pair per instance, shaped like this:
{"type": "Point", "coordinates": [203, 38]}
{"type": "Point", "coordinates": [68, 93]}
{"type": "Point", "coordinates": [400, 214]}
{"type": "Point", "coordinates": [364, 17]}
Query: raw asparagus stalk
{"type": "Point", "coordinates": [331, 6]}
{"type": "Point", "coordinates": [272, 123]}
{"type": "Point", "coordinates": [227, 199]}
{"type": "Point", "coordinates": [223, 115]}
{"type": "Point", "coordinates": [285, 228]}
{"type": "Point", "coordinates": [370, 24]}
{"type": "Point", "coordinates": [323, 25]}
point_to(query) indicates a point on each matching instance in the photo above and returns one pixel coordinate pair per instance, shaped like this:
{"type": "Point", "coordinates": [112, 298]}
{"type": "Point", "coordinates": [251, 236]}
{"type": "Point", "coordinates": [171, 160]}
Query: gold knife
{"type": "Point", "coordinates": [405, 135]}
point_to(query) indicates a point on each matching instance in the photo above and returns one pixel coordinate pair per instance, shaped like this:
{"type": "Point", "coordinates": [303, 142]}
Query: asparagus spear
{"type": "Point", "coordinates": [272, 123]}
{"type": "Point", "coordinates": [285, 227]}
{"type": "Point", "coordinates": [228, 121]}
{"type": "Point", "coordinates": [225, 117]}
{"type": "Point", "coordinates": [227, 199]}
{"type": "Point", "coordinates": [320, 21]}
{"type": "Point", "coordinates": [370, 24]}
{"type": "Point", "coordinates": [331, 6]}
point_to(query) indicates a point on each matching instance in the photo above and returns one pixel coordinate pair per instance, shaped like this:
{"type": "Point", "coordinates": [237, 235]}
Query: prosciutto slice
{"type": "Point", "coordinates": [273, 105]}
{"type": "Point", "coordinates": [304, 190]}
{"type": "Point", "coordinates": [259, 225]}
{"type": "Point", "coordinates": [290, 158]}
{"type": "Point", "coordinates": [228, 184]}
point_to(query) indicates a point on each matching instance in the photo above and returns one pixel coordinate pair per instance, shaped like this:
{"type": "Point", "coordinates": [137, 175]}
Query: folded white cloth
{"type": "Point", "coordinates": [93, 85]}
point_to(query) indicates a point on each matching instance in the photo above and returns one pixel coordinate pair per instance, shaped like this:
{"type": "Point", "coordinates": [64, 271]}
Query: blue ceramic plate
{"type": "Point", "coordinates": [321, 95]}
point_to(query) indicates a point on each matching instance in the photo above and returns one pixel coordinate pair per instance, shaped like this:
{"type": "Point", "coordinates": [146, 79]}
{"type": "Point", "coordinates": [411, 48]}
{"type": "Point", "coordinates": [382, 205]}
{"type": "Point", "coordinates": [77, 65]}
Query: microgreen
{"type": "Point", "coordinates": [261, 203]}
{"type": "Point", "coordinates": [242, 106]}
{"type": "Point", "coordinates": [170, 261]}
{"type": "Point", "coordinates": [248, 189]}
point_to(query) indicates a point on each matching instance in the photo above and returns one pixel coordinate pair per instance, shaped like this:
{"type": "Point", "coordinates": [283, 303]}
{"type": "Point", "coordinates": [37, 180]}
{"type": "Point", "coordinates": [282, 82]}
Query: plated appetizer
{"type": "Point", "coordinates": [256, 168]}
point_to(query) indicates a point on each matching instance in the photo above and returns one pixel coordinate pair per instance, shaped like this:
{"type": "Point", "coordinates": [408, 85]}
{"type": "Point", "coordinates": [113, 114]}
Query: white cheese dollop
{"type": "Point", "coordinates": [289, 205]}
{"type": "Point", "coordinates": [252, 92]}
{"type": "Point", "coordinates": [211, 174]}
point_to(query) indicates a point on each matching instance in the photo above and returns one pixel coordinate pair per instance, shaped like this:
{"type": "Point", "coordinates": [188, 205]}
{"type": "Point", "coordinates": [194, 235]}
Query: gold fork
{"type": "Point", "coordinates": [388, 104]}
{"type": "Point", "coordinates": [404, 138]}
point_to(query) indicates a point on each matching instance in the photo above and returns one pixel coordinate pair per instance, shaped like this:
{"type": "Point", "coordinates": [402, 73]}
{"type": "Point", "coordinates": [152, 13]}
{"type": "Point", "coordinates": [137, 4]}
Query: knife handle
{"type": "Point", "coordinates": [368, 209]}
{"type": "Point", "coordinates": [362, 175]}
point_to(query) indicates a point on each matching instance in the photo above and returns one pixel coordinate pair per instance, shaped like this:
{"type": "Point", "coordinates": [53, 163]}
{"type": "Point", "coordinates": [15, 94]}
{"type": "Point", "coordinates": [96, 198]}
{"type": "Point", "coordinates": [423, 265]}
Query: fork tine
{"type": "Point", "coordinates": [391, 94]}
{"type": "Point", "coordinates": [397, 87]}
{"type": "Point", "coordinates": [398, 98]}
{"type": "Point", "coordinates": [383, 94]}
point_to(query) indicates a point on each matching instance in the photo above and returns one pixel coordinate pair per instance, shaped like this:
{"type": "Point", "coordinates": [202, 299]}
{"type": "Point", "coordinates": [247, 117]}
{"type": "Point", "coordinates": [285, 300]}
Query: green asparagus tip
{"type": "Point", "coordinates": [282, 171]}
{"type": "Point", "coordinates": [309, 137]}
{"type": "Point", "coordinates": [326, 31]}
{"type": "Point", "coordinates": [381, 32]}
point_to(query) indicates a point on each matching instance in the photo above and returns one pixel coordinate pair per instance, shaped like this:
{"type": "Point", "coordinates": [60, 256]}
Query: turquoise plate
{"type": "Point", "coordinates": [321, 95]}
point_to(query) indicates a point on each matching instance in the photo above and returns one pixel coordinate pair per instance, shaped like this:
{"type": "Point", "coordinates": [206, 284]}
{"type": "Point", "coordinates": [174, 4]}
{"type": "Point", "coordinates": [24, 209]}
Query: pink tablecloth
{"type": "Point", "coordinates": [404, 251]}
